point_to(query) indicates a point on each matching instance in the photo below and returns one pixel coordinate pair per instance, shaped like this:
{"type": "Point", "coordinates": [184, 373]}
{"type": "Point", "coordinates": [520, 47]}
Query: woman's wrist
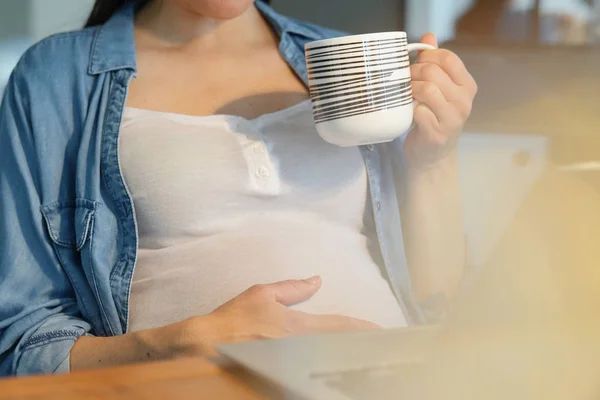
{"type": "Point", "coordinates": [163, 343]}
{"type": "Point", "coordinates": [446, 163]}
{"type": "Point", "coordinates": [193, 337]}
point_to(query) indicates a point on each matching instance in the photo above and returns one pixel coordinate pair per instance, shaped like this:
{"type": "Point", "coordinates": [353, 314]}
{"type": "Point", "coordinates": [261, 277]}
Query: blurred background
{"type": "Point", "coordinates": [537, 63]}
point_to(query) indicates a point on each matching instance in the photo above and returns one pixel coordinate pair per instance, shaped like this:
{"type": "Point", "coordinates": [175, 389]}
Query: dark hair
{"type": "Point", "coordinates": [104, 9]}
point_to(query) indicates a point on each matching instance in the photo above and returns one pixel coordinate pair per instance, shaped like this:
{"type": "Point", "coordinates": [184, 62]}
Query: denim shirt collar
{"type": "Point", "coordinates": [114, 43]}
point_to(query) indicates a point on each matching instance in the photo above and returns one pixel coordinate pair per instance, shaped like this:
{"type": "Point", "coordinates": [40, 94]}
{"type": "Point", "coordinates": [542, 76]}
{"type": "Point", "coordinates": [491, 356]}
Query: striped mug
{"type": "Point", "coordinates": [360, 87]}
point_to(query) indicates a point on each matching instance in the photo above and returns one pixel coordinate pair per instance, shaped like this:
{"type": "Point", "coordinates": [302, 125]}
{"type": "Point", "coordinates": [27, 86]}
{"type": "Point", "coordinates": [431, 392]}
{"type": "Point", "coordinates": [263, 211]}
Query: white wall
{"type": "Point", "coordinates": [36, 19]}
{"type": "Point", "coordinates": [437, 16]}
{"type": "Point", "coordinates": [13, 18]}
{"type": "Point", "coordinates": [51, 16]}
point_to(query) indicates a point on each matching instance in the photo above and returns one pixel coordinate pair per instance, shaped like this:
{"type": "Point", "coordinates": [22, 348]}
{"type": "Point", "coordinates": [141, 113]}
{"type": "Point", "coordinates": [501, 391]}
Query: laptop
{"type": "Point", "coordinates": [532, 362]}
{"type": "Point", "coordinates": [363, 365]}
{"type": "Point", "coordinates": [527, 329]}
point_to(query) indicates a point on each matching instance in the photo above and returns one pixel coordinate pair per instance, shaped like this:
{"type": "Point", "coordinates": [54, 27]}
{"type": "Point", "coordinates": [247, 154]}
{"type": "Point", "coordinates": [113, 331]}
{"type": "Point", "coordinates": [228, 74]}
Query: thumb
{"type": "Point", "coordinates": [430, 38]}
{"type": "Point", "coordinates": [292, 292]}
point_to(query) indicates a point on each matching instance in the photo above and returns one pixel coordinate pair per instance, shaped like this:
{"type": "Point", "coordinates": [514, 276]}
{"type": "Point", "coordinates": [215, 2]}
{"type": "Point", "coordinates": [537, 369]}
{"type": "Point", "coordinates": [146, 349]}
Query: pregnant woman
{"type": "Point", "coordinates": [163, 189]}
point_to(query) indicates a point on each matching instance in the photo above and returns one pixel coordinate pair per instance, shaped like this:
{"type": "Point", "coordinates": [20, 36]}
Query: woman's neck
{"type": "Point", "coordinates": [170, 25]}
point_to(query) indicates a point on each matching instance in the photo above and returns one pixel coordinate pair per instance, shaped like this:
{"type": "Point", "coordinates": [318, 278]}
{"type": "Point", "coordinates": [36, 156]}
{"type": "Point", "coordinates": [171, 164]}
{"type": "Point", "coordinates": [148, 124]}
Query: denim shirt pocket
{"type": "Point", "coordinates": [70, 223]}
{"type": "Point", "coordinates": [70, 226]}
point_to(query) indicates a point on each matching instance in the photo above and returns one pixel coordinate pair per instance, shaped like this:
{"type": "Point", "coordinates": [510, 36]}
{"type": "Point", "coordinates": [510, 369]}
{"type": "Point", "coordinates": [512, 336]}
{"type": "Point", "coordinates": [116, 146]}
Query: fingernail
{"type": "Point", "coordinates": [313, 280]}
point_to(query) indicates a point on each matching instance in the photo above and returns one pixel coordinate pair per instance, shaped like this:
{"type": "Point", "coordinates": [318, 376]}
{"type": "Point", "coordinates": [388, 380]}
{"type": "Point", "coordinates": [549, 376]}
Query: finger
{"type": "Point", "coordinates": [340, 323]}
{"type": "Point", "coordinates": [302, 323]}
{"type": "Point", "coordinates": [291, 292]}
{"type": "Point", "coordinates": [452, 64]}
{"type": "Point", "coordinates": [429, 38]}
{"type": "Point", "coordinates": [430, 95]}
{"type": "Point", "coordinates": [453, 93]}
{"type": "Point", "coordinates": [426, 119]}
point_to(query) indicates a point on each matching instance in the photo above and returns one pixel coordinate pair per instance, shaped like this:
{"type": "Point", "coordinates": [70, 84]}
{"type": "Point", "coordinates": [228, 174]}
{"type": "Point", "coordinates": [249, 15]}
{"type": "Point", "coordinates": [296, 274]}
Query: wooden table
{"type": "Point", "coordinates": [193, 378]}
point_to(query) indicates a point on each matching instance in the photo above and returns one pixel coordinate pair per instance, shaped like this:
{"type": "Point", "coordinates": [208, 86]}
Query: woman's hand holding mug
{"type": "Point", "coordinates": [365, 91]}
{"type": "Point", "coordinates": [444, 91]}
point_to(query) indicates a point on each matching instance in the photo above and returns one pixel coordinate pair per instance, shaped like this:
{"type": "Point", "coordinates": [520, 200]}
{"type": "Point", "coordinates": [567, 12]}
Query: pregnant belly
{"type": "Point", "coordinates": [195, 277]}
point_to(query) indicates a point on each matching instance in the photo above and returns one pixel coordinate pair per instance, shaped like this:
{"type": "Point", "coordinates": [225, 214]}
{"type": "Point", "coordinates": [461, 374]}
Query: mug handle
{"type": "Point", "coordinates": [411, 47]}
{"type": "Point", "coordinates": [419, 46]}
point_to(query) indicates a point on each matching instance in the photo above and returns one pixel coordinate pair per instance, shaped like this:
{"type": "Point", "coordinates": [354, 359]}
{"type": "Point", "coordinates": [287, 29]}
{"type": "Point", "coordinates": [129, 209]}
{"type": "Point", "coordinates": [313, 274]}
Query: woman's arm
{"type": "Point", "coordinates": [39, 315]}
{"type": "Point", "coordinates": [259, 313]}
{"type": "Point", "coordinates": [434, 236]}
{"type": "Point", "coordinates": [431, 206]}
{"type": "Point", "coordinates": [158, 344]}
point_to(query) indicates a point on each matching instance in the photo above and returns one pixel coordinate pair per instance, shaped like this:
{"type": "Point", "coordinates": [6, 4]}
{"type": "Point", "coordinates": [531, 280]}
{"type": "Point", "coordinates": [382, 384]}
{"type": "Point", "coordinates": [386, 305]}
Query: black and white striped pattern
{"type": "Point", "coordinates": [350, 79]}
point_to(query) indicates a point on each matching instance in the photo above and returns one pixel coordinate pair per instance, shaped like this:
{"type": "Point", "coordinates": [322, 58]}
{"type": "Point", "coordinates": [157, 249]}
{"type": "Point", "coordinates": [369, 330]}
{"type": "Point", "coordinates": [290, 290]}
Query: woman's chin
{"type": "Point", "coordinates": [217, 9]}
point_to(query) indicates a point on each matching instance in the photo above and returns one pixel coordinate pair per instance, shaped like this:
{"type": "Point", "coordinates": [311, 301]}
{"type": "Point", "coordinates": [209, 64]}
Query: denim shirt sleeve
{"type": "Point", "coordinates": [39, 316]}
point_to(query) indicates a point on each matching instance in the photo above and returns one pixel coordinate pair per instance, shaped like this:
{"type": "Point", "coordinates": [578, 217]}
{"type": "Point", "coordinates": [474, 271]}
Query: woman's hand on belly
{"type": "Point", "coordinates": [262, 312]}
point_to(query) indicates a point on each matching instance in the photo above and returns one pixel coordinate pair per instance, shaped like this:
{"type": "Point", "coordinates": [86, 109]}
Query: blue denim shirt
{"type": "Point", "coordinates": [68, 238]}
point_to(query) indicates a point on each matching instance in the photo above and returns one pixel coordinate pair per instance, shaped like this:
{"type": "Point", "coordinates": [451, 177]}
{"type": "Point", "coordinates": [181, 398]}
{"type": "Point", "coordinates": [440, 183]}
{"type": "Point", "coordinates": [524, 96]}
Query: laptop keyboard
{"type": "Point", "coordinates": [381, 383]}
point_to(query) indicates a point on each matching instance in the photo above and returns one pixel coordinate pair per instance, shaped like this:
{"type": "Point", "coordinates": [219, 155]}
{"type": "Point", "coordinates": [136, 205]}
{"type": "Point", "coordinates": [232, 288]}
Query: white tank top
{"type": "Point", "coordinates": [224, 203]}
